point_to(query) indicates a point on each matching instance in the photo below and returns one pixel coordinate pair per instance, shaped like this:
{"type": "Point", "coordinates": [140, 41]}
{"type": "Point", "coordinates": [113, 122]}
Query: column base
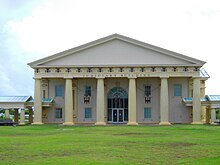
{"type": "Point", "coordinates": [68, 123]}
{"type": "Point", "coordinates": [37, 123]}
{"type": "Point", "coordinates": [132, 123]}
{"type": "Point", "coordinates": [165, 123]}
{"type": "Point", "coordinates": [197, 122]}
{"type": "Point", "coordinates": [100, 123]}
{"type": "Point", "coordinates": [21, 124]}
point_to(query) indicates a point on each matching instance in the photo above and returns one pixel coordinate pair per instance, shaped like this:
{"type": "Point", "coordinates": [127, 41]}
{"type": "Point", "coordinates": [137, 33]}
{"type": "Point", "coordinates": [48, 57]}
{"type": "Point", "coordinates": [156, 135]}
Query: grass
{"type": "Point", "coordinates": [52, 144]}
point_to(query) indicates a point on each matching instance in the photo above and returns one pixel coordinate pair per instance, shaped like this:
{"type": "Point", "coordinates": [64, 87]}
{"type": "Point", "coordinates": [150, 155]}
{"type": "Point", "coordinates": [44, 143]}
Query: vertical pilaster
{"type": "Point", "coordinates": [164, 102]}
{"type": "Point", "coordinates": [22, 117]}
{"type": "Point", "coordinates": [100, 103]}
{"type": "Point", "coordinates": [132, 102]}
{"type": "Point", "coordinates": [213, 116]}
{"type": "Point", "coordinates": [68, 102]}
{"type": "Point", "coordinates": [196, 101]}
{"type": "Point", "coordinates": [203, 108]}
{"type": "Point", "coordinates": [37, 102]}
{"type": "Point", "coordinates": [75, 100]}
{"type": "Point", "coordinates": [7, 113]}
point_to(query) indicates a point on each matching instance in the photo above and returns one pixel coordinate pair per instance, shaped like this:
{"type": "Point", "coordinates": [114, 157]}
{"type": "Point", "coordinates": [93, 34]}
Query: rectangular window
{"type": "Point", "coordinates": [147, 90]}
{"type": "Point", "coordinates": [59, 90]}
{"type": "Point", "coordinates": [88, 90]}
{"type": "Point", "coordinates": [58, 113]}
{"type": "Point", "coordinates": [177, 90]}
{"type": "Point", "coordinates": [44, 94]}
{"type": "Point", "coordinates": [88, 113]}
{"type": "Point", "coordinates": [147, 113]}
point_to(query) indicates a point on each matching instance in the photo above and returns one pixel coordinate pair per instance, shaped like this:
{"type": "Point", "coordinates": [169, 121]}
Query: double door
{"type": "Point", "coordinates": [117, 115]}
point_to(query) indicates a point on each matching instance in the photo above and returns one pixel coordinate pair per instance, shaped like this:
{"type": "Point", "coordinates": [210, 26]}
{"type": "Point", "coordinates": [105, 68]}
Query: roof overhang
{"type": "Point", "coordinates": [213, 101]}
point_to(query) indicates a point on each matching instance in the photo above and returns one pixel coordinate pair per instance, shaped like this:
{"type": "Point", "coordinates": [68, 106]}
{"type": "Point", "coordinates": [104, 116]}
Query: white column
{"type": "Point", "coordinates": [213, 116]}
{"type": "Point", "coordinates": [100, 103]}
{"type": "Point", "coordinates": [37, 102]}
{"type": "Point", "coordinates": [132, 103]}
{"type": "Point", "coordinates": [68, 102]}
{"type": "Point", "coordinates": [164, 102]}
{"type": "Point", "coordinates": [7, 113]}
{"type": "Point", "coordinates": [22, 117]}
{"type": "Point", "coordinates": [196, 101]}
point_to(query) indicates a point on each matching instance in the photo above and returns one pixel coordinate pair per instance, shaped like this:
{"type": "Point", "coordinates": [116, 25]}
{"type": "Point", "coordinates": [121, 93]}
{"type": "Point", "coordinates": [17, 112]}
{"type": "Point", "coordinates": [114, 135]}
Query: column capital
{"type": "Point", "coordinates": [37, 78]}
{"type": "Point", "coordinates": [133, 76]}
{"type": "Point", "coordinates": [164, 77]}
{"type": "Point", "coordinates": [68, 77]}
{"type": "Point", "coordinates": [196, 77]}
{"type": "Point", "coordinates": [100, 77]}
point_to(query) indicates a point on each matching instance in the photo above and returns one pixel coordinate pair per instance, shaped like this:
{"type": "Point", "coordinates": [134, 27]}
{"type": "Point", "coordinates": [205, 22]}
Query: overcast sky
{"type": "Point", "coordinates": [33, 29]}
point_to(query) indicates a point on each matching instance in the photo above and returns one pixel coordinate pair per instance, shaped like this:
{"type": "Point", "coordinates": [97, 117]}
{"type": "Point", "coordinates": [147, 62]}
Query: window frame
{"type": "Point", "coordinates": [88, 92]}
{"type": "Point", "coordinates": [147, 113]}
{"type": "Point", "coordinates": [59, 93]}
{"type": "Point", "coordinates": [147, 90]}
{"type": "Point", "coordinates": [86, 115]}
{"type": "Point", "coordinates": [177, 90]}
{"type": "Point", "coordinates": [58, 113]}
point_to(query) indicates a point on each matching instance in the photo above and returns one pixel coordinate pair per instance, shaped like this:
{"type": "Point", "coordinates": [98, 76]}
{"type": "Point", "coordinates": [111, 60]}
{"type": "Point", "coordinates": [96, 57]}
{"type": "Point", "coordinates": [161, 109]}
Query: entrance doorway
{"type": "Point", "coordinates": [117, 105]}
{"type": "Point", "coordinates": [118, 115]}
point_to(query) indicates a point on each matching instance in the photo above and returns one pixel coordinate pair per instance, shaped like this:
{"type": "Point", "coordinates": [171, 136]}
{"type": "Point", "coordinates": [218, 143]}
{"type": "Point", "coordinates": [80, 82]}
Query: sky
{"type": "Point", "coordinates": [33, 29]}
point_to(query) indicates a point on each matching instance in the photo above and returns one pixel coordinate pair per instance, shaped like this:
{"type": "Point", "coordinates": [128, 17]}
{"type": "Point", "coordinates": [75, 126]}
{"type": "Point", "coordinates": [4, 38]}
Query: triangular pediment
{"type": "Point", "coordinates": [116, 50]}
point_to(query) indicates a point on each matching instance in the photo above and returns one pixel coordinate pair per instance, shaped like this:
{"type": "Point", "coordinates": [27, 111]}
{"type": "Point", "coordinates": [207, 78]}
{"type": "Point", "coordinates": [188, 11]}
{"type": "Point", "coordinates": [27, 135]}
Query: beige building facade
{"type": "Point", "coordinates": [116, 80]}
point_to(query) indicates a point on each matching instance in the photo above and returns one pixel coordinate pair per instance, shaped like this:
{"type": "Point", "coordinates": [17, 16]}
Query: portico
{"type": "Point", "coordinates": [17, 104]}
{"type": "Point", "coordinates": [117, 79]}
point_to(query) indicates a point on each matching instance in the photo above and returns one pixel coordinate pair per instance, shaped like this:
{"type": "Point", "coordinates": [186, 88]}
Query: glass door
{"type": "Point", "coordinates": [118, 115]}
{"type": "Point", "coordinates": [115, 116]}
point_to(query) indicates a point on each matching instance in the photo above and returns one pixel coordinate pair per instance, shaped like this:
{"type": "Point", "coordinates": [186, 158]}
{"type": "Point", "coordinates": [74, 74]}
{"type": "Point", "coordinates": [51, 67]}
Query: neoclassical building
{"type": "Point", "coordinates": [117, 79]}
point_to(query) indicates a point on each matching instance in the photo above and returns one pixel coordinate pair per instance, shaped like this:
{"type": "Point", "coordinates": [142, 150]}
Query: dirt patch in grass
{"type": "Point", "coordinates": [140, 134]}
{"type": "Point", "coordinates": [180, 144]}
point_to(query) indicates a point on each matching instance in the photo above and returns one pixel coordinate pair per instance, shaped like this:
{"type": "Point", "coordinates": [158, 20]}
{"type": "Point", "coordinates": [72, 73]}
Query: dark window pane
{"type": "Point", "coordinates": [125, 114]}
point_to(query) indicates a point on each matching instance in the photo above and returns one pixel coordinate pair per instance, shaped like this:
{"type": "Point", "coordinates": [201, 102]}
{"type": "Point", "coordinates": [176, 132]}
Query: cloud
{"type": "Point", "coordinates": [46, 27]}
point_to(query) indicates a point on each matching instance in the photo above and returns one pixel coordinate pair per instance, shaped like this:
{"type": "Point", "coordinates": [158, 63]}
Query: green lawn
{"type": "Point", "coordinates": [52, 144]}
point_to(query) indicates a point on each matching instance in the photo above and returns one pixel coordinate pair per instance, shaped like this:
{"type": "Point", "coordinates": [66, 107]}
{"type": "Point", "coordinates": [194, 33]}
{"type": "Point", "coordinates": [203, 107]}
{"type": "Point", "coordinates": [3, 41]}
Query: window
{"type": "Point", "coordinates": [177, 90]}
{"type": "Point", "coordinates": [88, 113]}
{"type": "Point", "coordinates": [58, 114]}
{"type": "Point", "coordinates": [44, 94]}
{"type": "Point", "coordinates": [147, 113]}
{"type": "Point", "coordinates": [88, 91]}
{"type": "Point", "coordinates": [59, 90]}
{"type": "Point", "coordinates": [147, 90]}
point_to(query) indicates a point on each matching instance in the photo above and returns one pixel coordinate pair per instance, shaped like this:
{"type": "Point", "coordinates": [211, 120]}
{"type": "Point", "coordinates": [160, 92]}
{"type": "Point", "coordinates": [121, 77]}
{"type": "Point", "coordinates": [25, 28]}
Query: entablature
{"type": "Point", "coordinates": [93, 72]}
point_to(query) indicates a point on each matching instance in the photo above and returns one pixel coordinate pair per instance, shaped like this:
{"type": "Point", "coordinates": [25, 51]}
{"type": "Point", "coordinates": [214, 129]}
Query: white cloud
{"type": "Point", "coordinates": [190, 27]}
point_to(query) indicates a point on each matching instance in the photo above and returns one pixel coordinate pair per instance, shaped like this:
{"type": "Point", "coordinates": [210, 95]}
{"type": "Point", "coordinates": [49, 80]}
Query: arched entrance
{"type": "Point", "coordinates": [118, 105]}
